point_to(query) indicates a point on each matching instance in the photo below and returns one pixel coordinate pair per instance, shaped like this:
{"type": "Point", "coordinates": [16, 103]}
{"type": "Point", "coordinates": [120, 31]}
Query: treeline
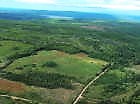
{"type": "Point", "coordinates": [40, 79]}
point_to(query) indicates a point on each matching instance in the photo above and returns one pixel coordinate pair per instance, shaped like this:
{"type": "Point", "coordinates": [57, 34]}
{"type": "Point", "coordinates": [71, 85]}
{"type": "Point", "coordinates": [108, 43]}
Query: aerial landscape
{"type": "Point", "coordinates": [69, 52]}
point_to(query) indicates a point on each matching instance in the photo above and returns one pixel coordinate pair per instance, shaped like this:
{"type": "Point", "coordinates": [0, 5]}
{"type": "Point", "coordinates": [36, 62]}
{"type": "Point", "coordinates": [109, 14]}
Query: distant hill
{"type": "Point", "coordinates": [19, 14]}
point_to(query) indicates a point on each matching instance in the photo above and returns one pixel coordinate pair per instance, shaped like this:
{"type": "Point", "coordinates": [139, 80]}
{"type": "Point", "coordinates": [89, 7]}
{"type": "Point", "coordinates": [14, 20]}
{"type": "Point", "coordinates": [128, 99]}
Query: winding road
{"type": "Point", "coordinates": [104, 70]}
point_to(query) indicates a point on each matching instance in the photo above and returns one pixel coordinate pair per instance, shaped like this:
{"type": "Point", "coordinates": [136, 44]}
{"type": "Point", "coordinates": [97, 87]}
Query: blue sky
{"type": "Point", "coordinates": [72, 5]}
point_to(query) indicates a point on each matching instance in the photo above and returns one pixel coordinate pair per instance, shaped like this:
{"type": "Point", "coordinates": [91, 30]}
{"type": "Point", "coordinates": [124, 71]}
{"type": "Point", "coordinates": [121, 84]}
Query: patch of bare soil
{"type": "Point", "coordinates": [60, 53]}
{"type": "Point", "coordinates": [11, 86]}
{"type": "Point", "coordinates": [93, 28]}
{"type": "Point", "coordinates": [81, 55]}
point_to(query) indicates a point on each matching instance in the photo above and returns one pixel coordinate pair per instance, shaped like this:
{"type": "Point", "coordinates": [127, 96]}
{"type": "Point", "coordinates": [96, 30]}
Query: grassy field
{"type": "Point", "coordinates": [78, 66]}
{"type": "Point", "coordinates": [8, 48]}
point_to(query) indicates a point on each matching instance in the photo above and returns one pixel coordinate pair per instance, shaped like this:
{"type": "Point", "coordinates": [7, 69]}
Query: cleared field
{"type": "Point", "coordinates": [94, 28]}
{"type": "Point", "coordinates": [35, 94]}
{"type": "Point", "coordinates": [10, 86]}
{"type": "Point", "coordinates": [80, 67]}
{"type": "Point", "coordinates": [8, 48]}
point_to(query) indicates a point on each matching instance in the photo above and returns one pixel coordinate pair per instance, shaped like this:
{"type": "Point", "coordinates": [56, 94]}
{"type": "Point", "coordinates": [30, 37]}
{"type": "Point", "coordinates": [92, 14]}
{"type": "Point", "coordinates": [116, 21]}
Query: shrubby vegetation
{"type": "Point", "coordinates": [50, 64]}
{"type": "Point", "coordinates": [115, 87]}
{"type": "Point", "coordinates": [41, 79]}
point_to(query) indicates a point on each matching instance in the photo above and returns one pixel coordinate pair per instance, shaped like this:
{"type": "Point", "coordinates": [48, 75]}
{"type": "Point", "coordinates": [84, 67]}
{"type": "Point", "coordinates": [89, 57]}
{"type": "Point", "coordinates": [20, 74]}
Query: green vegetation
{"type": "Point", "coordinates": [78, 68]}
{"type": "Point", "coordinates": [41, 79]}
{"type": "Point", "coordinates": [4, 100]}
{"type": "Point", "coordinates": [10, 48]}
{"type": "Point", "coordinates": [7, 100]}
{"type": "Point", "coordinates": [115, 87]}
{"type": "Point", "coordinates": [73, 38]}
{"type": "Point", "coordinates": [49, 64]}
{"type": "Point", "coordinates": [62, 55]}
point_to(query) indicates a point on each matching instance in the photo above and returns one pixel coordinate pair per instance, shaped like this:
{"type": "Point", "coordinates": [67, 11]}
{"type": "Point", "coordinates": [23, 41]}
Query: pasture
{"type": "Point", "coordinates": [81, 68]}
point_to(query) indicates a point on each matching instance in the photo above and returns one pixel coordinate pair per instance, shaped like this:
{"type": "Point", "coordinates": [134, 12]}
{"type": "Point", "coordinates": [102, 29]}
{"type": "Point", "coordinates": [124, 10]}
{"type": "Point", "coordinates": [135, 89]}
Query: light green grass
{"type": "Point", "coordinates": [82, 68]}
{"type": "Point", "coordinates": [136, 69]}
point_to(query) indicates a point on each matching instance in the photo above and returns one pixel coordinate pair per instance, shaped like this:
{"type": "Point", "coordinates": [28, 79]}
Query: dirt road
{"type": "Point", "coordinates": [104, 70]}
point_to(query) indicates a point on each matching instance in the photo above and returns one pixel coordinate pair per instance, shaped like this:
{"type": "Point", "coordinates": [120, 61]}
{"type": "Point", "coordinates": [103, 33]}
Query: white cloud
{"type": "Point", "coordinates": [124, 7]}
{"type": "Point", "coordinates": [38, 1]}
{"type": "Point", "coordinates": [115, 4]}
{"type": "Point", "coordinates": [112, 4]}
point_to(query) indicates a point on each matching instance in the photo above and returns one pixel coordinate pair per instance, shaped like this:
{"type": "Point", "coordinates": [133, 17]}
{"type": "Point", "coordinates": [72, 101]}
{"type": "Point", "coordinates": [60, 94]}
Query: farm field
{"type": "Point", "coordinates": [77, 66]}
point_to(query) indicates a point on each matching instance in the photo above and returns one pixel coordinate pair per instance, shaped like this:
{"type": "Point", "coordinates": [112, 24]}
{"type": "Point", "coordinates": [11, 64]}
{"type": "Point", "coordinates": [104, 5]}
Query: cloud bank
{"type": "Point", "coordinates": [37, 1]}
{"type": "Point", "coordinates": [112, 4]}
